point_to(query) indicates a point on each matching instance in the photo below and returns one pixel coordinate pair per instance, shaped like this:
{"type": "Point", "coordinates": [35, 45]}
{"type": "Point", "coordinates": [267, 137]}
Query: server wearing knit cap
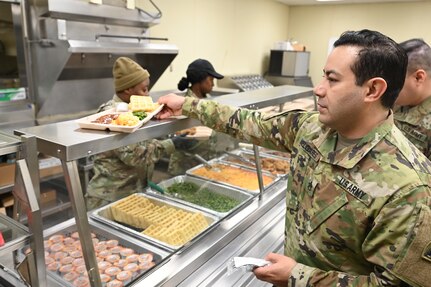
{"type": "Point", "coordinates": [123, 171]}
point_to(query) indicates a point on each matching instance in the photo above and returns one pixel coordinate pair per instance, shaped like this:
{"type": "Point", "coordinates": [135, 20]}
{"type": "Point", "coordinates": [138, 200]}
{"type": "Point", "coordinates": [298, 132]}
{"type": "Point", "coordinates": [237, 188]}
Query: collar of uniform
{"type": "Point", "coordinates": [190, 93]}
{"type": "Point", "coordinates": [348, 157]}
{"type": "Point", "coordinates": [414, 115]}
{"type": "Point", "coordinates": [117, 99]}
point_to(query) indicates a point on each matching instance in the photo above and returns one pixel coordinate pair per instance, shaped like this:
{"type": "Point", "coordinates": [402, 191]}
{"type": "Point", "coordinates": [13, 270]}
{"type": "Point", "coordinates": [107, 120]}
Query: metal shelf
{"type": "Point", "coordinates": [59, 205]}
{"type": "Point", "coordinates": [66, 141]}
{"type": "Point", "coordinates": [8, 188]}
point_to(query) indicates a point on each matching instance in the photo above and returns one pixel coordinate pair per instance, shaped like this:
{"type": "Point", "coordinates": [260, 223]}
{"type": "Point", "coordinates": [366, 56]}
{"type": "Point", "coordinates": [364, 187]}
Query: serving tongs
{"type": "Point", "coordinates": [241, 158]}
{"type": "Point", "coordinates": [206, 163]}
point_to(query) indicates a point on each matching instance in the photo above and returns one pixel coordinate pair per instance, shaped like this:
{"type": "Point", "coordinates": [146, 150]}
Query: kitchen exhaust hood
{"type": "Point", "coordinates": [73, 46]}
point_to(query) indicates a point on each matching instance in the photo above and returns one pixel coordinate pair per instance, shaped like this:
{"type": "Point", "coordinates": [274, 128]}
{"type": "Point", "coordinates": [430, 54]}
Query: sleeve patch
{"type": "Point", "coordinates": [414, 268]}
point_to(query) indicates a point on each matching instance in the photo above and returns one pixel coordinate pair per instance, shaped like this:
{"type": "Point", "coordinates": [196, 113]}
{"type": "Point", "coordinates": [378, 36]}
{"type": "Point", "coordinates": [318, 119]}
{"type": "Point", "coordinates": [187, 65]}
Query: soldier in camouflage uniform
{"type": "Point", "coordinates": [123, 171]}
{"type": "Point", "coordinates": [359, 195]}
{"type": "Point", "coordinates": [413, 117]}
{"type": "Point", "coordinates": [199, 83]}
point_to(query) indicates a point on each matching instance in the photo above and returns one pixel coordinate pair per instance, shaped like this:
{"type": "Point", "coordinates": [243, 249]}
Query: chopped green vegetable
{"type": "Point", "coordinates": [140, 114]}
{"type": "Point", "coordinates": [202, 196]}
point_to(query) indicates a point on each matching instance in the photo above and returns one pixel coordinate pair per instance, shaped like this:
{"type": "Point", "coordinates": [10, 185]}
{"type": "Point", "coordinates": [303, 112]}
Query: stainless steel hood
{"type": "Point", "coordinates": [72, 47]}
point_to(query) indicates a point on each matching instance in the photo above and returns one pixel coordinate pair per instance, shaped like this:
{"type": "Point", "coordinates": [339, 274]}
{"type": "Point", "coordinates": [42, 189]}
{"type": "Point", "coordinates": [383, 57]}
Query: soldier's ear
{"type": "Point", "coordinates": [376, 87]}
{"type": "Point", "coordinates": [420, 75]}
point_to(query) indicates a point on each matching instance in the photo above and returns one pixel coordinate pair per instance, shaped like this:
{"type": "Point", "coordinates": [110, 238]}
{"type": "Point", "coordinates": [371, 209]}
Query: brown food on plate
{"type": "Point", "coordinates": [106, 119]}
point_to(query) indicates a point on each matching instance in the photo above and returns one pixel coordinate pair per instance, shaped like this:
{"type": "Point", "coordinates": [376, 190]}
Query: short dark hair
{"type": "Point", "coordinates": [418, 53]}
{"type": "Point", "coordinates": [379, 56]}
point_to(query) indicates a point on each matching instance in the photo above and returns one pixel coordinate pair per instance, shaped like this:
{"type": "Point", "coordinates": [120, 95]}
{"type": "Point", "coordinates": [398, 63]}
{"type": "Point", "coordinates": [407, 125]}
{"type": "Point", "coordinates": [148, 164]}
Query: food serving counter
{"type": "Point", "coordinates": [258, 219]}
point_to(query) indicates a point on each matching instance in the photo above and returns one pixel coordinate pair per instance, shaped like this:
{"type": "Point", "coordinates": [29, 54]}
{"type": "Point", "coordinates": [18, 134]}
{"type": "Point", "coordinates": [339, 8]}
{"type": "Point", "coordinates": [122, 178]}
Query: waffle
{"type": "Point", "coordinates": [167, 224]}
{"type": "Point", "coordinates": [142, 103]}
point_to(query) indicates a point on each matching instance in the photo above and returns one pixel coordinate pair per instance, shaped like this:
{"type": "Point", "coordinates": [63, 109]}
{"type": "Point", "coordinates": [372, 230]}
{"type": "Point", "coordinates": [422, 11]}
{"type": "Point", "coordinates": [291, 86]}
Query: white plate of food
{"type": "Point", "coordinates": [111, 120]}
{"type": "Point", "coordinates": [197, 133]}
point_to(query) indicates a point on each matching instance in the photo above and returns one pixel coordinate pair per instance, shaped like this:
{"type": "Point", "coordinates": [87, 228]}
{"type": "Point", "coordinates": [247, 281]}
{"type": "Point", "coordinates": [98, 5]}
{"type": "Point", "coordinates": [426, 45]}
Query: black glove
{"type": "Point", "coordinates": [184, 143]}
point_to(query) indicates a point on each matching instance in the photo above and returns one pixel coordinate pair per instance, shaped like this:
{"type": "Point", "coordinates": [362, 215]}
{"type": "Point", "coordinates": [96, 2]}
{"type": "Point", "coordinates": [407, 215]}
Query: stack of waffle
{"type": "Point", "coordinates": [164, 223]}
{"type": "Point", "coordinates": [142, 103]}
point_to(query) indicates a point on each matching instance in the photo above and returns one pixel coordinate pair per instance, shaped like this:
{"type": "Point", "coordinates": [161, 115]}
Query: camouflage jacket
{"type": "Point", "coordinates": [359, 216]}
{"type": "Point", "coordinates": [125, 170]}
{"type": "Point", "coordinates": [180, 161]}
{"type": "Point", "coordinates": [415, 123]}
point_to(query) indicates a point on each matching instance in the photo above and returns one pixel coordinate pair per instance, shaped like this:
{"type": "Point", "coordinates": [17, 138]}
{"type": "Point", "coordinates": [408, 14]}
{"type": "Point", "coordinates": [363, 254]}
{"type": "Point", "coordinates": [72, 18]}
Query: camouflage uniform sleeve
{"type": "Point", "coordinates": [399, 246]}
{"type": "Point", "coordinates": [272, 131]}
{"type": "Point", "coordinates": [144, 153]}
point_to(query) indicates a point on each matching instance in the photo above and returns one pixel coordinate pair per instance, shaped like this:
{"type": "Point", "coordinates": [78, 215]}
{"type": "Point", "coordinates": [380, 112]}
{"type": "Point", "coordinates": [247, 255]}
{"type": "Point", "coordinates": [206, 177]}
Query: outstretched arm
{"type": "Point", "coordinates": [173, 106]}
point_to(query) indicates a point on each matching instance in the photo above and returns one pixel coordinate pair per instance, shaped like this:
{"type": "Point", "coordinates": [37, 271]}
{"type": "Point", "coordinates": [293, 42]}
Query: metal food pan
{"type": "Point", "coordinates": [247, 154]}
{"type": "Point", "coordinates": [104, 233]}
{"type": "Point", "coordinates": [218, 161]}
{"type": "Point", "coordinates": [274, 153]}
{"type": "Point", "coordinates": [214, 187]}
{"type": "Point", "coordinates": [105, 216]}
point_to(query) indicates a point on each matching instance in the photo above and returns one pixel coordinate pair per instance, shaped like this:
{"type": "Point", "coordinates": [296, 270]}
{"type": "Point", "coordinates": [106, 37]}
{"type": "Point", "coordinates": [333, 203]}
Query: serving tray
{"type": "Point", "coordinates": [104, 215]}
{"type": "Point", "coordinates": [217, 161]}
{"type": "Point", "coordinates": [282, 170]}
{"type": "Point", "coordinates": [102, 234]}
{"type": "Point", "coordinates": [217, 189]}
{"type": "Point", "coordinates": [88, 121]}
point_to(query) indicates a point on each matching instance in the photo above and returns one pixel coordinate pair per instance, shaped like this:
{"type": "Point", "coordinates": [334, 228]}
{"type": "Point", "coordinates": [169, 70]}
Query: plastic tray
{"type": "Point", "coordinates": [217, 188]}
{"type": "Point", "coordinates": [105, 216]}
{"type": "Point", "coordinates": [103, 233]}
{"type": "Point", "coordinates": [218, 161]}
{"type": "Point", "coordinates": [87, 122]}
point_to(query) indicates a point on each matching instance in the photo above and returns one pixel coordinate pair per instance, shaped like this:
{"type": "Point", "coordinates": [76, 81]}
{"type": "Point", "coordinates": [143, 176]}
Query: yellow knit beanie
{"type": "Point", "coordinates": [127, 73]}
